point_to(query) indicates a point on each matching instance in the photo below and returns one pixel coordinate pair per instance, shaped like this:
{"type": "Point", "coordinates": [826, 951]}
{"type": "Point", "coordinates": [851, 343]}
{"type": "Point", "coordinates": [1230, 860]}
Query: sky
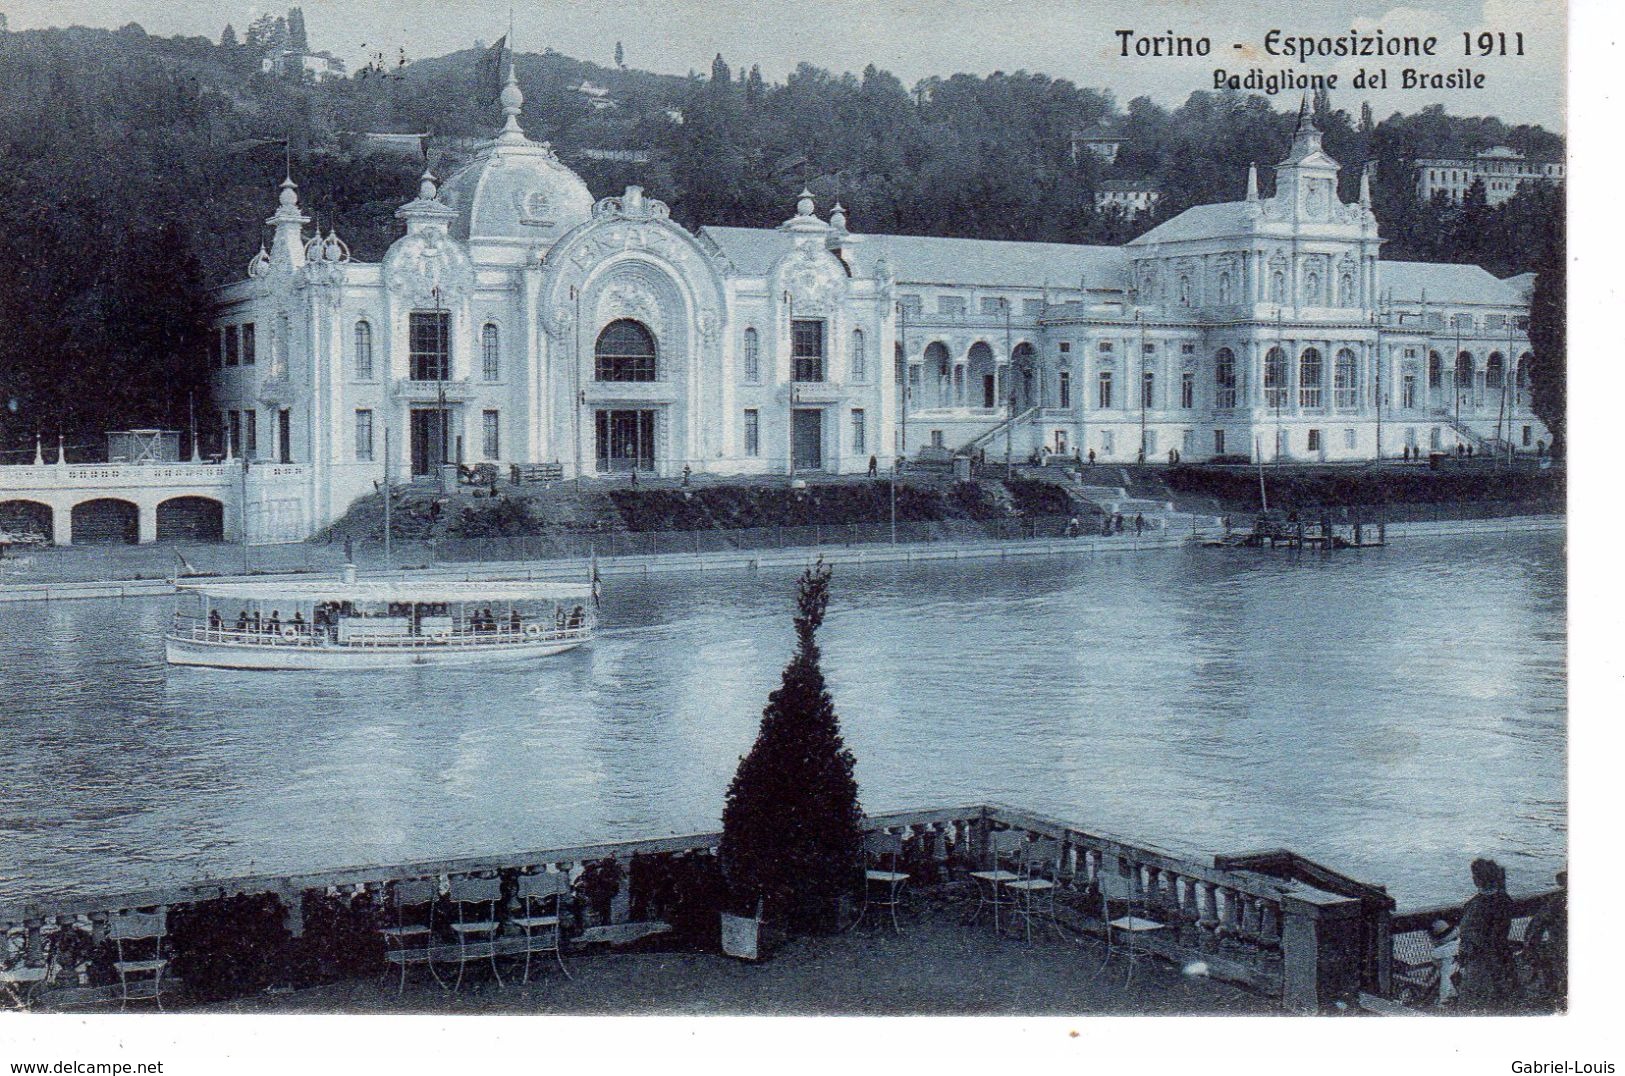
{"type": "Point", "coordinates": [1072, 39]}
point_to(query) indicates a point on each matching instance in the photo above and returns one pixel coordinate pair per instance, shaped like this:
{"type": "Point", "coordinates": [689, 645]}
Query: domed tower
{"type": "Point", "coordinates": [515, 195]}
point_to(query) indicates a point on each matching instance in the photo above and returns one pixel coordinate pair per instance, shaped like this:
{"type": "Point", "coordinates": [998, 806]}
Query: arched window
{"type": "Point", "coordinates": [1464, 370]}
{"type": "Point", "coordinates": [1435, 370]}
{"type": "Point", "coordinates": [1224, 378]}
{"type": "Point", "coordinates": [860, 360]}
{"type": "Point", "coordinates": [753, 356]}
{"type": "Point", "coordinates": [1275, 378]}
{"type": "Point", "coordinates": [1494, 371]}
{"type": "Point", "coordinates": [490, 353]}
{"type": "Point", "coordinates": [1311, 289]}
{"type": "Point", "coordinates": [1277, 287]}
{"type": "Point", "coordinates": [1345, 379]}
{"type": "Point", "coordinates": [936, 357]}
{"type": "Point", "coordinates": [363, 350]}
{"type": "Point", "coordinates": [625, 351]}
{"type": "Point", "coordinates": [1309, 378]}
{"type": "Point", "coordinates": [1184, 290]}
{"type": "Point", "coordinates": [1345, 290]}
{"type": "Point", "coordinates": [899, 363]}
{"type": "Point", "coordinates": [1225, 297]}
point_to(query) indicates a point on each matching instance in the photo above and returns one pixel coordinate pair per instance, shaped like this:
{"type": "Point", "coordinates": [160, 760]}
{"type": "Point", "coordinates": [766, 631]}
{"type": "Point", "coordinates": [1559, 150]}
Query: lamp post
{"type": "Point", "coordinates": [442, 371]}
{"type": "Point", "coordinates": [577, 395]}
{"type": "Point", "coordinates": [1280, 388]}
{"type": "Point", "coordinates": [902, 331]}
{"type": "Point", "coordinates": [1139, 319]}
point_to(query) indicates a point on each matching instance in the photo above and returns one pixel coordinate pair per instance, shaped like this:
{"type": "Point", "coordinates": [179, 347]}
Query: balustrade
{"type": "Point", "coordinates": [1244, 909]}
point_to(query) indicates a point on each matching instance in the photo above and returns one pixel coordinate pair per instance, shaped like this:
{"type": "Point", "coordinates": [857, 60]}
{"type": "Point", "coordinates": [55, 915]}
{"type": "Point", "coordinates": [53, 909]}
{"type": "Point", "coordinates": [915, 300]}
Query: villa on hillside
{"type": "Point", "coordinates": [521, 320]}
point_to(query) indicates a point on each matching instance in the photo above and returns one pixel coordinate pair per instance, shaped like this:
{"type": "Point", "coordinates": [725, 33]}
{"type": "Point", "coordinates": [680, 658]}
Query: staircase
{"type": "Point", "coordinates": [1465, 433]}
{"type": "Point", "coordinates": [987, 437]}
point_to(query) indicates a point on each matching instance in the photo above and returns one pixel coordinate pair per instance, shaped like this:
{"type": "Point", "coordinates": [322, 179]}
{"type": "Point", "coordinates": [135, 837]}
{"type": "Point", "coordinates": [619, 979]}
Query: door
{"type": "Point", "coordinates": [428, 440]}
{"type": "Point", "coordinates": [625, 441]}
{"type": "Point", "coordinates": [989, 392]}
{"type": "Point", "coordinates": [284, 436]}
{"type": "Point", "coordinates": [807, 435]}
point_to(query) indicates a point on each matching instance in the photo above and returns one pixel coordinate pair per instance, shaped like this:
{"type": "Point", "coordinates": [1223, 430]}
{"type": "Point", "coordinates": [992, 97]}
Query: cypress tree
{"type": "Point", "coordinates": [792, 831]}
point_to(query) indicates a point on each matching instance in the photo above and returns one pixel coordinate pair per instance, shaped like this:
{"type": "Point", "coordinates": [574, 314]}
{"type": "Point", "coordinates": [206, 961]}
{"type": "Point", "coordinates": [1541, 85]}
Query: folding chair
{"type": "Point", "coordinates": [476, 907]}
{"type": "Point", "coordinates": [409, 936]}
{"type": "Point", "coordinates": [1004, 843]}
{"type": "Point", "coordinates": [885, 852]}
{"type": "Point", "coordinates": [138, 950]}
{"type": "Point", "coordinates": [541, 915]}
{"type": "Point", "coordinates": [1125, 889]}
{"type": "Point", "coordinates": [1033, 893]}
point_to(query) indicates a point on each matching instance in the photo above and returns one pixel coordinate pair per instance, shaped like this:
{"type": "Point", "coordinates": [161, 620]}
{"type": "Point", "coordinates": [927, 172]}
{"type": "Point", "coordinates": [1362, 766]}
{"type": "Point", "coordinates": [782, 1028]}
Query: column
{"type": "Point", "coordinates": [147, 522]}
{"type": "Point", "coordinates": [61, 523]}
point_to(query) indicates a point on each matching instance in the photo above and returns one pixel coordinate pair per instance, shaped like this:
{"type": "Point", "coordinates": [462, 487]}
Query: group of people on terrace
{"type": "Point", "coordinates": [1480, 965]}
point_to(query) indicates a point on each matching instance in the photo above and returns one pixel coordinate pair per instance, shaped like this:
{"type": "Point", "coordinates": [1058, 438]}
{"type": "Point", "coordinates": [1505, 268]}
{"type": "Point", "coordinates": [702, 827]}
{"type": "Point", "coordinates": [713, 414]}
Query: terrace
{"type": "Point", "coordinates": [1257, 932]}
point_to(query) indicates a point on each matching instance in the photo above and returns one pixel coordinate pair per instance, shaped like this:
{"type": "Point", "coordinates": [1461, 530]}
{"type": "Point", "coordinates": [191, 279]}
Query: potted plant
{"type": "Point", "coordinates": [792, 829]}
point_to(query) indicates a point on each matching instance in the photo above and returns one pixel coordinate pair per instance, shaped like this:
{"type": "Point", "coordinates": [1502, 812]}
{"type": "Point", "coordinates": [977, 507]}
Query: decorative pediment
{"type": "Point", "coordinates": [814, 281]}
{"type": "Point", "coordinates": [427, 263]}
{"type": "Point", "coordinates": [628, 299]}
{"type": "Point", "coordinates": [632, 206]}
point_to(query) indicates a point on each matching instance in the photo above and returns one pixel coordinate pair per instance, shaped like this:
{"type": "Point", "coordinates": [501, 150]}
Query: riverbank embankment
{"type": "Point", "coordinates": [565, 568]}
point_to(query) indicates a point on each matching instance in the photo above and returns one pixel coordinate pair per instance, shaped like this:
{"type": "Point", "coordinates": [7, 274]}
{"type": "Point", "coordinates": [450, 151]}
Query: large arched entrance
{"type": "Point", "coordinates": [105, 521]}
{"type": "Point", "coordinates": [624, 437]}
{"type": "Point", "coordinates": [984, 377]}
{"type": "Point", "coordinates": [939, 369]}
{"type": "Point", "coordinates": [191, 519]}
{"type": "Point", "coordinates": [1024, 383]}
{"type": "Point", "coordinates": [26, 519]}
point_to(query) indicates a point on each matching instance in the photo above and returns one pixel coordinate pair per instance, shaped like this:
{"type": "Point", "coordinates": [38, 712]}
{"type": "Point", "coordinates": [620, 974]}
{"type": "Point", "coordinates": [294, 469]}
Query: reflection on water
{"type": "Point", "coordinates": [1389, 712]}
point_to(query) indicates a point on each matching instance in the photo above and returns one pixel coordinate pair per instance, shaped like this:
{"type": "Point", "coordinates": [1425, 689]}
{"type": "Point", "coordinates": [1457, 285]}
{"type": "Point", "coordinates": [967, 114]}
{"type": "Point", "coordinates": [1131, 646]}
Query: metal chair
{"type": "Point", "coordinates": [476, 905]}
{"type": "Point", "coordinates": [1033, 893]}
{"type": "Point", "coordinates": [409, 937]}
{"type": "Point", "coordinates": [541, 915]}
{"type": "Point", "coordinates": [138, 952]}
{"type": "Point", "coordinates": [1125, 889]}
{"type": "Point", "coordinates": [990, 883]}
{"type": "Point", "coordinates": [885, 852]}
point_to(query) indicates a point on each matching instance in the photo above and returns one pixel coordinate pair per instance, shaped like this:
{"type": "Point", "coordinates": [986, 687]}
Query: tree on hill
{"type": "Point", "coordinates": [792, 829]}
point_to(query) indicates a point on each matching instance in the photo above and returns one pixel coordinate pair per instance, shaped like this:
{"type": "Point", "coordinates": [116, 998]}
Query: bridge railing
{"type": "Point", "coordinates": [113, 476]}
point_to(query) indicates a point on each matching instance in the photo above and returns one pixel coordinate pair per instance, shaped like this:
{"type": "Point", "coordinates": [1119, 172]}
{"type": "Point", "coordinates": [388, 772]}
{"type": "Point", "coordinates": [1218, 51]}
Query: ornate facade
{"type": "Point", "coordinates": [519, 321]}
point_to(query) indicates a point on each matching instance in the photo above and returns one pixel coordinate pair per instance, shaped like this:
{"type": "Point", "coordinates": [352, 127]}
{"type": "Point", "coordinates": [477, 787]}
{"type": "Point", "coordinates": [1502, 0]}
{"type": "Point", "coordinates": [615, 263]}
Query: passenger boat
{"type": "Point", "coordinates": [372, 624]}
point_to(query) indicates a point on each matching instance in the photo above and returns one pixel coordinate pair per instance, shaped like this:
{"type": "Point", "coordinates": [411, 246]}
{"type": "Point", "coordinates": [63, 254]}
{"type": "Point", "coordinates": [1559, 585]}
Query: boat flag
{"type": "Point", "coordinates": [595, 579]}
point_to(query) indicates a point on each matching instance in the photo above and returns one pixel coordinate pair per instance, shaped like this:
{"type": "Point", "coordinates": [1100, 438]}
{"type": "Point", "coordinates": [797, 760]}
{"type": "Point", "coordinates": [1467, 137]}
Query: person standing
{"type": "Point", "coordinates": [1547, 944]}
{"type": "Point", "coordinates": [874, 466]}
{"type": "Point", "coordinates": [1139, 523]}
{"type": "Point", "coordinates": [1485, 959]}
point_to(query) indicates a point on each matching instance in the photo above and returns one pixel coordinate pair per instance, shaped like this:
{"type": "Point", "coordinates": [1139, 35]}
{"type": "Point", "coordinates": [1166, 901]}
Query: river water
{"type": "Point", "coordinates": [1391, 713]}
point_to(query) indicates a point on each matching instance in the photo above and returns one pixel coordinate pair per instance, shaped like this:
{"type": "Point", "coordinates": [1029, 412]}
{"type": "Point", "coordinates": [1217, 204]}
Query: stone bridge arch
{"type": "Point", "coordinates": [191, 518]}
{"type": "Point", "coordinates": [24, 516]}
{"type": "Point", "coordinates": [106, 521]}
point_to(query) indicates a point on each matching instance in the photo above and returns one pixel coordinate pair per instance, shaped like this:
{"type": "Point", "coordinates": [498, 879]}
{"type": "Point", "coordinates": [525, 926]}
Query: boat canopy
{"type": "Point", "coordinates": [391, 590]}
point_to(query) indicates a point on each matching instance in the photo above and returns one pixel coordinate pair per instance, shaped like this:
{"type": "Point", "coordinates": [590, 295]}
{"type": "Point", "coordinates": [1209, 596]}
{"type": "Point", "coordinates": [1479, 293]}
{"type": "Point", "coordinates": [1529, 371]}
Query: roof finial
{"type": "Point", "coordinates": [513, 100]}
{"type": "Point", "coordinates": [1365, 186]}
{"type": "Point", "coordinates": [1306, 116]}
{"type": "Point", "coordinates": [804, 203]}
{"type": "Point", "coordinates": [1252, 181]}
